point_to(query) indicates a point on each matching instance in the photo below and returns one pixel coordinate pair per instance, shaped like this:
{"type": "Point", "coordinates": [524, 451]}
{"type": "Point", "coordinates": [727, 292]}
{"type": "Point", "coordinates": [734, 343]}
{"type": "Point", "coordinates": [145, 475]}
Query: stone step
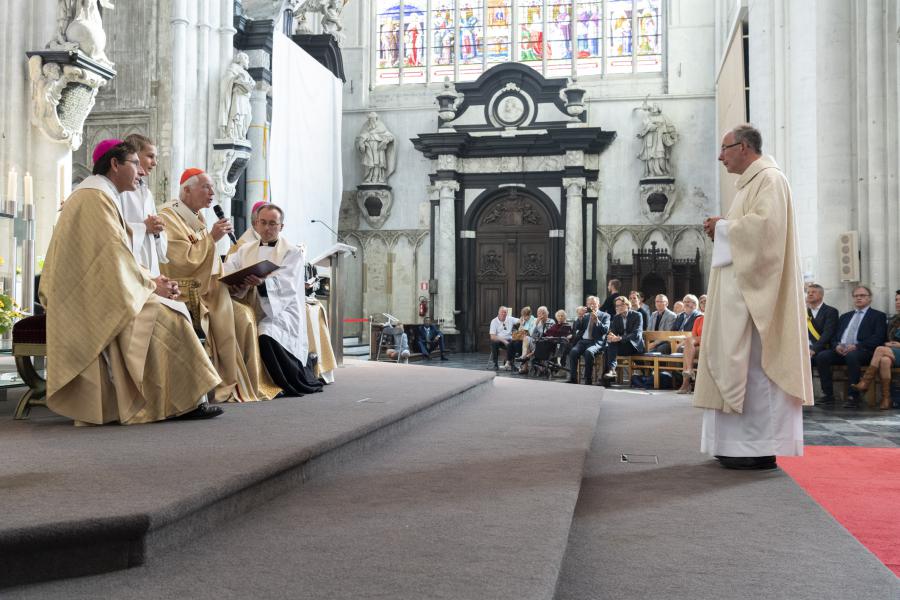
{"type": "Point", "coordinates": [356, 350]}
{"type": "Point", "coordinates": [475, 503]}
{"type": "Point", "coordinates": [351, 341]}
{"type": "Point", "coordinates": [89, 500]}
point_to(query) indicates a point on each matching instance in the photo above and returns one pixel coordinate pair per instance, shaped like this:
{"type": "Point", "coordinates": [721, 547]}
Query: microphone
{"type": "Point", "coordinates": [221, 215]}
{"type": "Point", "coordinates": [325, 225]}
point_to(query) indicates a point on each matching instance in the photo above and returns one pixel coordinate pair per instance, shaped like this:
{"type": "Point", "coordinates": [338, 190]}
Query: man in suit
{"type": "Point", "coordinates": [661, 320]}
{"type": "Point", "coordinates": [685, 320]}
{"type": "Point", "coordinates": [430, 337]}
{"type": "Point", "coordinates": [859, 332]}
{"type": "Point", "coordinates": [821, 319]}
{"type": "Point", "coordinates": [588, 340]}
{"type": "Point", "coordinates": [609, 305]}
{"type": "Point", "coordinates": [637, 304]}
{"type": "Point", "coordinates": [626, 335]}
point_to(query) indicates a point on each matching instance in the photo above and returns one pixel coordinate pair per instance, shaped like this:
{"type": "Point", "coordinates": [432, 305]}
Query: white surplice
{"type": "Point", "coordinates": [285, 305]}
{"type": "Point", "coordinates": [772, 421]}
{"type": "Point", "coordinates": [149, 250]}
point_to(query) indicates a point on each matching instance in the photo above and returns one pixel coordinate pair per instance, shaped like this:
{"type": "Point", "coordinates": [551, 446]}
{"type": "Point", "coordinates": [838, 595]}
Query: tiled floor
{"type": "Point", "coordinates": [822, 427]}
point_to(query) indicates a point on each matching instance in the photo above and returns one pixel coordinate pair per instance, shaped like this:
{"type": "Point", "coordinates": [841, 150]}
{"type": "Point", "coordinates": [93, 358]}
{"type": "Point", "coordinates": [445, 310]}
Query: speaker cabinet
{"type": "Point", "coordinates": [848, 247]}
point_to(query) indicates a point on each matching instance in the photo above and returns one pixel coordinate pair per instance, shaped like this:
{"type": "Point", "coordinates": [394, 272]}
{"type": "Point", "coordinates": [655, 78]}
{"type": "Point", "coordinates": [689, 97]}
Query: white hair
{"type": "Point", "coordinates": [189, 182]}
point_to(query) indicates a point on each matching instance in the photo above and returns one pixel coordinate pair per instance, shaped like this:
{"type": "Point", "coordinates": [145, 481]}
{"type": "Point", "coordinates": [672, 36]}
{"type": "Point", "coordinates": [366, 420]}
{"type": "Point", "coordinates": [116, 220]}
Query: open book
{"type": "Point", "coordinates": [260, 269]}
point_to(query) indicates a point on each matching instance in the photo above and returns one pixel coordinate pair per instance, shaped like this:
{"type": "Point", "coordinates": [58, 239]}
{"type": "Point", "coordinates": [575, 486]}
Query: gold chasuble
{"type": "Point", "coordinates": [230, 328]}
{"type": "Point", "coordinates": [760, 289]}
{"type": "Point", "coordinates": [116, 352]}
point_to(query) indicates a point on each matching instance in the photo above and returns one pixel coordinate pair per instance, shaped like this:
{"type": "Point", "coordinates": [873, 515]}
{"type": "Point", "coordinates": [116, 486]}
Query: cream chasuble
{"type": "Point", "coordinates": [229, 327]}
{"type": "Point", "coordinates": [754, 333]}
{"type": "Point", "coordinates": [118, 353]}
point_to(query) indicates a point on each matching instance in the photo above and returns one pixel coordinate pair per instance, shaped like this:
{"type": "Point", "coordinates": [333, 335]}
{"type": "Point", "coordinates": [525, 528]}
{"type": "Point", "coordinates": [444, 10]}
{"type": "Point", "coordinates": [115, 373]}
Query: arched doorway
{"type": "Point", "coordinates": [515, 261]}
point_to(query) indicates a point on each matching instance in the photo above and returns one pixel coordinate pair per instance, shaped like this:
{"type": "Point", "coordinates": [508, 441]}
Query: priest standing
{"type": "Point", "coordinates": [148, 236]}
{"type": "Point", "coordinates": [119, 350]}
{"type": "Point", "coordinates": [754, 372]}
{"type": "Point", "coordinates": [280, 302]}
{"type": "Point", "coordinates": [192, 259]}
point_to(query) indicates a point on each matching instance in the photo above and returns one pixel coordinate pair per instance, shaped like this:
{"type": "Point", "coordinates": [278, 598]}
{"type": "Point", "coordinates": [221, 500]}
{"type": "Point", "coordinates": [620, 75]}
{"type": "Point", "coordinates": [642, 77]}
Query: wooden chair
{"type": "Point", "coordinates": [29, 342]}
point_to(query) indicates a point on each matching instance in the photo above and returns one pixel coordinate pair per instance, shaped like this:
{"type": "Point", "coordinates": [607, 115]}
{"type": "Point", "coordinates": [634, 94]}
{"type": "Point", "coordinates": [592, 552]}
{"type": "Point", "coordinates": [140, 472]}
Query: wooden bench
{"type": "Point", "coordinates": [871, 400]}
{"type": "Point", "coordinates": [653, 361]}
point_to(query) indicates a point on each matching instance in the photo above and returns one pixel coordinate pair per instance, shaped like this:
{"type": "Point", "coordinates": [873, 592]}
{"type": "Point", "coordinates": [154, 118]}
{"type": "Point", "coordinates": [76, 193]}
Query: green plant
{"type": "Point", "coordinates": [9, 312]}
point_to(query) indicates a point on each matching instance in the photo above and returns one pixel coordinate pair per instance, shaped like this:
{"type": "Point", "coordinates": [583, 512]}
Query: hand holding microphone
{"type": "Point", "coordinates": [222, 226]}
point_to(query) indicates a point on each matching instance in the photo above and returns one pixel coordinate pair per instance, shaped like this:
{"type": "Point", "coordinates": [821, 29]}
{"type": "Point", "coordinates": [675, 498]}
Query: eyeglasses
{"type": "Point", "coordinates": [135, 162]}
{"type": "Point", "coordinates": [726, 147]}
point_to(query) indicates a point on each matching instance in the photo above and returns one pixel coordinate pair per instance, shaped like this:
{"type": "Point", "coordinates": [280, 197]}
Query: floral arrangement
{"type": "Point", "coordinates": [9, 312]}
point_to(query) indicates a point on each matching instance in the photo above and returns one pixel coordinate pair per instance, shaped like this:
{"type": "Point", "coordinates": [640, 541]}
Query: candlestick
{"type": "Point", "coordinates": [28, 183]}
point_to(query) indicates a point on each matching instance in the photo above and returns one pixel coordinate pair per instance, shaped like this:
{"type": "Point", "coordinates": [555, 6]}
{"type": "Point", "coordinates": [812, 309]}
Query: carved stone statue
{"type": "Point", "coordinates": [377, 149]}
{"type": "Point", "coordinates": [330, 11]}
{"type": "Point", "coordinates": [80, 27]}
{"type": "Point", "coordinates": [659, 135]}
{"type": "Point", "coordinates": [234, 99]}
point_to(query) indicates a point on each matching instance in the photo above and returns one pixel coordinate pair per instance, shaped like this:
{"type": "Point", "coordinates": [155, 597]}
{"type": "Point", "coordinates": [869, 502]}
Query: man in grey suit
{"type": "Point", "coordinates": [661, 320]}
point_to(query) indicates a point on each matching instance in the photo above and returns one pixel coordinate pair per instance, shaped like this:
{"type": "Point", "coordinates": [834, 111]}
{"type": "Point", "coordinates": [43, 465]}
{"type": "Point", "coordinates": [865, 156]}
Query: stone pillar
{"type": "Point", "coordinates": [574, 272]}
{"type": "Point", "coordinates": [445, 259]}
{"type": "Point", "coordinates": [179, 76]}
{"type": "Point", "coordinates": [257, 171]}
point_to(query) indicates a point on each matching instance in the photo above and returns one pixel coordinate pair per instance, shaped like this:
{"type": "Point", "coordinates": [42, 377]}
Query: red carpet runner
{"type": "Point", "coordinates": [860, 487]}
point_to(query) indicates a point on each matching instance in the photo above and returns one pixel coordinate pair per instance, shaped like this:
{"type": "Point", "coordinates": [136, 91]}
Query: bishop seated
{"type": "Point", "coordinates": [121, 350]}
{"type": "Point", "coordinates": [280, 303]}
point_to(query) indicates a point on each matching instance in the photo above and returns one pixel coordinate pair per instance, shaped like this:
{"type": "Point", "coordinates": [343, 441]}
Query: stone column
{"type": "Point", "coordinates": [445, 261]}
{"type": "Point", "coordinates": [179, 24]}
{"type": "Point", "coordinates": [257, 173]}
{"type": "Point", "coordinates": [574, 272]}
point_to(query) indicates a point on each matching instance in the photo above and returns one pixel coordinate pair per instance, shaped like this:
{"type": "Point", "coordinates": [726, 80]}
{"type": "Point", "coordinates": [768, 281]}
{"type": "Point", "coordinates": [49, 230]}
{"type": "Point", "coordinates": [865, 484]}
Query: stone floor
{"type": "Point", "coordinates": [822, 427]}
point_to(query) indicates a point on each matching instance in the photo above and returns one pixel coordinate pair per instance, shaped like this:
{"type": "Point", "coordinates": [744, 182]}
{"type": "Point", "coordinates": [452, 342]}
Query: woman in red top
{"type": "Point", "coordinates": [691, 350]}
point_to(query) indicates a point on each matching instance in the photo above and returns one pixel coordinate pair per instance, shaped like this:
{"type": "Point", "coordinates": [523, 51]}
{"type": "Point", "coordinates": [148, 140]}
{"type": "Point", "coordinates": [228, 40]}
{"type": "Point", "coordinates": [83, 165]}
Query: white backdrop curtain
{"type": "Point", "coordinates": [305, 145]}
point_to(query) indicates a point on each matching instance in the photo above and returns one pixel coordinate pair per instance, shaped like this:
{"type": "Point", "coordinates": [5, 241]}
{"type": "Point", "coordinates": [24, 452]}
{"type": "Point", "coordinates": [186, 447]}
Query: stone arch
{"type": "Point", "coordinates": [622, 246]}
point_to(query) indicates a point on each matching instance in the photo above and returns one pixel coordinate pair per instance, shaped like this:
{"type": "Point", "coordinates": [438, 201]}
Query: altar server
{"type": "Point", "coordinates": [148, 235]}
{"type": "Point", "coordinates": [119, 350]}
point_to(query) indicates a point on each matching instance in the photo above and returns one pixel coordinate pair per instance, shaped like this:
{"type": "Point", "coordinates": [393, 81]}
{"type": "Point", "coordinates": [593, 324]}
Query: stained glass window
{"type": "Point", "coordinates": [430, 40]}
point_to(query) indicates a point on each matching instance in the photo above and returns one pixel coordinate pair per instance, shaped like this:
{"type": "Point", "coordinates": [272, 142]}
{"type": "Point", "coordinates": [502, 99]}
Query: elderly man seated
{"type": "Point", "coordinates": [626, 336]}
{"type": "Point", "coordinates": [501, 338]}
{"type": "Point", "coordinates": [588, 340]}
{"type": "Point", "coordinates": [121, 350]}
{"type": "Point", "coordinates": [279, 300]}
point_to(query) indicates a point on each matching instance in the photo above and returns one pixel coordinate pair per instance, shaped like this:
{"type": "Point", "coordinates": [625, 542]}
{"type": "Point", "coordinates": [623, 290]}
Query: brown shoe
{"type": "Point", "coordinates": [866, 380]}
{"type": "Point", "coordinates": [885, 394]}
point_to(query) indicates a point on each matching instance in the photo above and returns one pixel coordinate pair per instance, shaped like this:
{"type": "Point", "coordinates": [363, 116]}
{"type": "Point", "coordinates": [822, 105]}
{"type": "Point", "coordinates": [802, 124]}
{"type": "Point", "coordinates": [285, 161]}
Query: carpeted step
{"type": "Point", "coordinates": [476, 504]}
{"type": "Point", "coordinates": [81, 500]}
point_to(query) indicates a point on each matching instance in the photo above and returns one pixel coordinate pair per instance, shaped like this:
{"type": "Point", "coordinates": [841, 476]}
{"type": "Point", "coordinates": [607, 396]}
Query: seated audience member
{"type": "Point", "coordinates": [430, 337]}
{"type": "Point", "coordinates": [859, 332]}
{"type": "Point", "coordinates": [661, 320]}
{"type": "Point", "coordinates": [230, 327]}
{"type": "Point", "coordinates": [501, 338]}
{"type": "Point", "coordinates": [637, 304]}
{"type": "Point", "coordinates": [609, 305]}
{"type": "Point", "coordinates": [821, 319]}
{"type": "Point", "coordinates": [526, 322]}
{"type": "Point", "coordinates": [691, 350]}
{"type": "Point", "coordinates": [580, 311]}
{"type": "Point", "coordinates": [280, 302]}
{"type": "Point", "coordinates": [626, 336]}
{"type": "Point", "coordinates": [685, 321]}
{"type": "Point", "coordinates": [884, 359]}
{"type": "Point", "coordinates": [588, 340]}
{"type": "Point", "coordinates": [122, 350]}
{"type": "Point", "coordinates": [678, 307]}
{"type": "Point", "coordinates": [560, 328]}
{"type": "Point", "coordinates": [401, 341]}
{"type": "Point", "coordinates": [539, 326]}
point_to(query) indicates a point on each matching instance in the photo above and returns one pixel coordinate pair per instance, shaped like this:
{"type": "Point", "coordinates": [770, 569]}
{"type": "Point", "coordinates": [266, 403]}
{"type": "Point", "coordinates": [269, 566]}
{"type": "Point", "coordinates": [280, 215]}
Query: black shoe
{"type": "Point", "coordinates": [825, 402]}
{"type": "Point", "coordinates": [444, 357]}
{"type": "Point", "coordinates": [747, 463]}
{"type": "Point", "coordinates": [851, 403]}
{"type": "Point", "coordinates": [204, 411]}
{"type": "Point", "coordinates": [427, 357]}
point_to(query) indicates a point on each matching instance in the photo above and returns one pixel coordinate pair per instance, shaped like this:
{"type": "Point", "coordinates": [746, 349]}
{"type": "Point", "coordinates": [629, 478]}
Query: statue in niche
{"type": "Point", "coordinates": [658, 135]}
{"type": "Point", "coordinates": [234, 99]}
{"type": "Point", "coordinates": [79, 26]}
{"type": "Point", "coordinates": [377, 150]}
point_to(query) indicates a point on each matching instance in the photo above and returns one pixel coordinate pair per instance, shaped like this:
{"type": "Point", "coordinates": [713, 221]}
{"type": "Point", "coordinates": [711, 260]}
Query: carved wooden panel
{"type": "Point", "coordinates": [513, 212]}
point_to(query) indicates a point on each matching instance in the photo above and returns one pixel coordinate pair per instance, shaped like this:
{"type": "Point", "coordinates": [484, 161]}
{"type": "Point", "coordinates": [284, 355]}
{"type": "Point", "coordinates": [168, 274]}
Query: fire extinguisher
{"type": "Point", "coordinates": [423, 306]}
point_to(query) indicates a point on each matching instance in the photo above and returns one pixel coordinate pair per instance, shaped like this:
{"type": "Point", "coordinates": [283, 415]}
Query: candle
{"type": "Point", "coordinates": [12, 185]}
{"type": "Point", "coordinates": [28, 183]}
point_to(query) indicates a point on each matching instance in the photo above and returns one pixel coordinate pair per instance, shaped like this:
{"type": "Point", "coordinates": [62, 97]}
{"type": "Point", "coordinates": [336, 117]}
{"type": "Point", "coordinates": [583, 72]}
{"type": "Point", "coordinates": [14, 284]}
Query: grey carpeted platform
{"type": "Point", "coordinates": [475, 504]}
{"type": "Point", "coordinates": [82, 500]}
{"type": "Point", "coordinates": [687, 529]}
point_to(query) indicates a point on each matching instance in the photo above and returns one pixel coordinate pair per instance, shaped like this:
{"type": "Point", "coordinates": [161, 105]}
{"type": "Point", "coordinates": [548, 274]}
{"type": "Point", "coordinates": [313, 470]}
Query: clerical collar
{"type": "Point", "coordinates": [269, 244]}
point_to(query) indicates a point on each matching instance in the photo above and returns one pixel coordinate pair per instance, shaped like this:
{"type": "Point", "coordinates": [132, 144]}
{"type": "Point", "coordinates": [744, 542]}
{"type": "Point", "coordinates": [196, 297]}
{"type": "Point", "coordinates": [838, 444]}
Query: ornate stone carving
{"type": "Point", "coordinates": [511, 164]}
{"type": "Point", "coordinates": [543, 163]}
{"type": "Point", "coordinates": [574, 182]}
{"type": "Point", "coordinates": [658, 135]}
{"type": "Point", "coordinates": [533, 265]}
{"type": "Point", "coordinates": [374, 204]}
{"type": "Point", "coordinates": [64, 88]}
{"type": "Point", "coordinates": [657, 201]}
{"type": "Point", "coordinates": [234, 99]}
{"type": "Point", "coordinates": [329, 12]}
{"type": "Point", "coordinates": [574, 158]}
{"type": "Point", "coordinates": [229, 159]}
{"type": "Point", "coordinates": [79, 26]}
{"type": "Point", "coordinates": [377, 150]}
{"type": "Point", "coordinates": [448, 103]}
{"type": "Point", "coordinates": [491, 265]}
{"type": "Point", "coordinates": [447, 162]}
{"type": "Point", "coordinates": [573, 96]}
{"type": "Point", "coordinates": [446, 187]}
